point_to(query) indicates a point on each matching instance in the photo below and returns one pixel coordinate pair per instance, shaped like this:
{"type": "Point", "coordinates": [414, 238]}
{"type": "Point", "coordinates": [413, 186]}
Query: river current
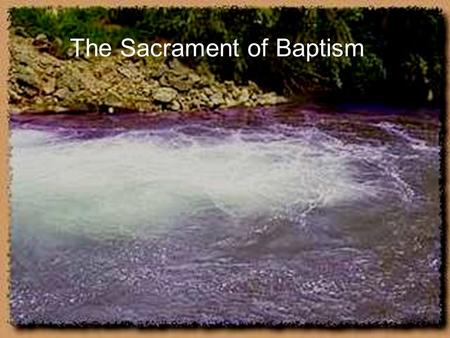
{"type": "Point", "coordinates": [288, 215]}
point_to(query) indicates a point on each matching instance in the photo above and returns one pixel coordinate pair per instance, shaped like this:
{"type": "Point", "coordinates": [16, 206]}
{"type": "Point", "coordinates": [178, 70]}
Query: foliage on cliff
{"type": "Point", "coordinates": [404, 48]}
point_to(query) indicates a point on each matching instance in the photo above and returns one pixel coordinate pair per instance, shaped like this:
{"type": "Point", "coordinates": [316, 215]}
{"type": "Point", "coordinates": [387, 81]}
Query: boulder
{"type": "Point", "coordinates": [216, 99]}
{"type": "Point", "coordinates": [164, 94]}
{"type": "Point", "coordinates": [61, 93]}
{"type": "Point", "coordinates": [175, 105]}
{"type": "Point", "coordinates": [42, 43]}
{"type": "Point", "coordinates": [27, 76]}
{"type": "Point", "coordinates": [40, 39]}
{"type": "Point", "coordinates": [182, 83]}
{"type": "Point", "coordinates": [48, 85]}
{"type": "Point", "coordinates": [244, 96]}
{"type": "Point", "coordinates": [112, 98]}
{"type": "Point", "coordinates": [270, 98]}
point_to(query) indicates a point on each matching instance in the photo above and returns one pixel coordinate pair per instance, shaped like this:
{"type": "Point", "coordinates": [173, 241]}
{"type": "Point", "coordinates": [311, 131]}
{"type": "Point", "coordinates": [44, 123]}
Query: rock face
{"type": "Point", "coordinates": [41, 82]}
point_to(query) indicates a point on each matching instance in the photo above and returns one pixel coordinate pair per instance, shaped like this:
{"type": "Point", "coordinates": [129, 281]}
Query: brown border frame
{"type": "Point", "coordinates": [7, 330]}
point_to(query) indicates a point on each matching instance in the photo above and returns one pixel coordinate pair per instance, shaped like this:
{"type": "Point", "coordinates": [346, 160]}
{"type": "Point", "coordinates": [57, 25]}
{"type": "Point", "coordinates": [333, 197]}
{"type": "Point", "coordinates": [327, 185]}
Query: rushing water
{"type": "Point", "coordinates": [283, 215]}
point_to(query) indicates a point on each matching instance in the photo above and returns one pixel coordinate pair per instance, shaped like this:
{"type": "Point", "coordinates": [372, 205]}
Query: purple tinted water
{"type": "Point", "coordinates": [294, 215]}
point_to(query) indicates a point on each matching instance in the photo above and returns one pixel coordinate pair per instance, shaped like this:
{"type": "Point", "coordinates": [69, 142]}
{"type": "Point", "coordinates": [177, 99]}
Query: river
{"type": "Point", "coordinates": [294, 215]}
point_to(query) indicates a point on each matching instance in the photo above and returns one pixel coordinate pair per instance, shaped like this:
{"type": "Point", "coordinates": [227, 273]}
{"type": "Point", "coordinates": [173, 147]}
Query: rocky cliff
{"type": "Point", "coordinates": [41, 82]}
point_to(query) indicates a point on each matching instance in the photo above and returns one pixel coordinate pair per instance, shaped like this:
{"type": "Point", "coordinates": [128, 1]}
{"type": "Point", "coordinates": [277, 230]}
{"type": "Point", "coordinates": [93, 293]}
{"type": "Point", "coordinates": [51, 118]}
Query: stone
{"type": "Point", "coordinates": [252, 86]}
{"type": "Point", "coordinates": [70, 81]}
{"type": "Point", "coordinates": [244, 96]}
{"type": "Point", "coordinates": [194, 78]}
{"type": "Point", "coordinates": [236, 93]}
{"type": "Point", "coordinates": [112, 98]}
{"type": "Point", "coordinates": [229, 85]}
{"type": "Point", "coordinates": [204, 98]}
{"type": "Point", "coordinates": [164, 94]}
{"type": "Point", "coordinates": [157, 72]}
{"type": "Point", "coordinates": [270, 99]}
{"type": "Point", "coordinates": [29, 92]}
{"type": "Point", "coordinates": [42, 43]}
{"type": "Point", "coordinates": [20, 31]}
{"type": "Point", "coordinates": [49, 85]}
{"type": "Point", "coordinates": [216, 99]}
{"type": "Point", "coordinates": [125, 72]}
{"type": "Point", "coordinates": [208, 91]}
{"type": "Point", "coordinates": [70, 52]}
{"type": "Point", "coordinates": [61, 93]}
{"type": "Point", "coordinates": [13, 95]}
{"type": "Point", "coordinates": [177, 67]}
{"type": "Point", "coordinates": [175, 106]}
{"type": "Point", "coordinates": [182, 83]}
{"type": "Point", "coordinates": [229, 102]}
{"type": "Point", "coordinates": [40, 39]}
{"type": "Point", "coordinates": [27, 76]}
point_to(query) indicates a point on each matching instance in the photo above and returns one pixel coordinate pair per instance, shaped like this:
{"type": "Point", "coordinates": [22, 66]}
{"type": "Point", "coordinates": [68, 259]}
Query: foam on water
{"type": "Point", "coordinates": [200, 223]}
{"type": "Point", "coordinates": [154, 180]}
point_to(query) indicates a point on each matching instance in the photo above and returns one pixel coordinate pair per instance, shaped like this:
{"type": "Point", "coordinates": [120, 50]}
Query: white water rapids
{"type": "Point", "coordinates": [147, 181]}
{"type": "Point", "coordinates": [199, 223]}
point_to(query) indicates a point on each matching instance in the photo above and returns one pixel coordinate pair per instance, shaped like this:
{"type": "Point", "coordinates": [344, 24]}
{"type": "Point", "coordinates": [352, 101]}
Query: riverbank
{"type": "Point", "coordinates": [40, 82]}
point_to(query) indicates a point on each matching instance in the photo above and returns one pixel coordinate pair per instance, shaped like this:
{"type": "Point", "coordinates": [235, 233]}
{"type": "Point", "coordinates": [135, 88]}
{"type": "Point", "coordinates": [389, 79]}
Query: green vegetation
{"type": "Point", "coordinates": [404, 48]}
